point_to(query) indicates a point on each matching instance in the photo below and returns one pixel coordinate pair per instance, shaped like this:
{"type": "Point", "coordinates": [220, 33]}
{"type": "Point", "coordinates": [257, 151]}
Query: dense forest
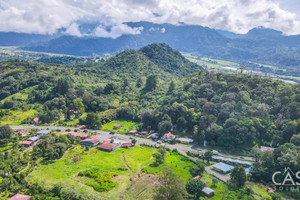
{"type": "Point", "coordinates": [151, 85]}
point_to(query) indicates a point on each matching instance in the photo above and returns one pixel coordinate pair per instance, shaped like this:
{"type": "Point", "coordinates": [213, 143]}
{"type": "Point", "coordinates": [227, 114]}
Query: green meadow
{"type": "Point", "coordinates": [126, 126]}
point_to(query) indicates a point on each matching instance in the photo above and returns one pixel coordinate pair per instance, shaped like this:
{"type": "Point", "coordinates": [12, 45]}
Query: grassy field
{"type": "Point", "coordinates": [126, 126]}
{"type": "Point", "coordinates": [16, 117]}
{"type": "Point", "coordinates": [125, 164]}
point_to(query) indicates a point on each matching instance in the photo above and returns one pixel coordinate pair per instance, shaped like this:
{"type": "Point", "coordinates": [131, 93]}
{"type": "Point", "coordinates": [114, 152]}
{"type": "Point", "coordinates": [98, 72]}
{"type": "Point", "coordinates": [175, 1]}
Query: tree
{"type": "Point", "coordinates": [296, 140]}
{"type": "Point", "coordinates": [197, 169]}
{"type": "Point", "coordinates": [215, 181]}
{"type": "Point", "coordinates": [162, 150]}
{"type": "Point", "coordinates": [238, 176]}
{"type": "Point", "coordinates": [171, 87]}
{"type": "Point", "coordinates": [159, 159]}
{"type": "Point", "coordinates": [164, 127]}
{"type": "Point", "coordinates": [64, 84]}
{"type": "Point", "coordinates": [133, 141]}
{"type": "Point", "coordinates": [194, 187]}
{"type": "Point", "coordinates": [208, 155]}
{"type": "Point", "coordinates": [139, 82]}
{"type": "Point", "coordinates": [78, 105]}
{"type": "Point", "coordinates": [92, 121]}
{"type": "Point", "coordinates": [151, 83]}
{"type": "Point", "coordinates": [171, 187]}
{"type": "Point", "coordinates": [6, 132]}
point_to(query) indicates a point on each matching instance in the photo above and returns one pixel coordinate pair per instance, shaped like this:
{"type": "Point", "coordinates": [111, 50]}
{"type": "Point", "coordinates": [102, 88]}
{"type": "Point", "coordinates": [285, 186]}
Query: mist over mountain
{"type": "Point", "coordinates": [259, 44]}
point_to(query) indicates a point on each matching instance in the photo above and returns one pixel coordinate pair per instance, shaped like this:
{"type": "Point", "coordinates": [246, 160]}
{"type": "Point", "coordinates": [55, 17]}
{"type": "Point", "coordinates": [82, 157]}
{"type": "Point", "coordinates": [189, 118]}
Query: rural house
{"type": "Point", "coordinates": [133, 132]}
{"type": "Point", "coordinates": [168, 137]}
{"type": "Point", "coordinates": [20, 197]}
{"type": "Point", "coordinates": [90, 142]}
{"type": "Point", "coordinates": [108, 147]}
{"type": "Point", "coordinates": [43, 132]}
{"type": "Point", "coordinates": [77, 134]}
{"type": "Point", "coordinates": [127, 145]}
{"type": "Point", "coordinates": [264, 149]}
{"type": "Point", "coordinates": [21, 133]}
{"type": "Point", "coordinates": [118, 126]}
{"type": "Point", "coordinates": [222, 168]}
{"type": "Point", "coordinates": [184, 140]}
{"type": "Point", "coordinates": [208, 192]}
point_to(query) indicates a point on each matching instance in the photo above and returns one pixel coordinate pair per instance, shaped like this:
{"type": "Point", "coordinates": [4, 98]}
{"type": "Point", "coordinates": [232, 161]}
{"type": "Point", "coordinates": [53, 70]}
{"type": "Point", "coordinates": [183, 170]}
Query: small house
{"type": "Point", "coordinates": [168, 136]}
{"type": "Point", "coordinates": [107, 141]}
{"type": "Point", "coordinates": [127, 145]}
{"type": "Point", "coordinates": [35, 120]}
{"type": "Point", "coordinates": [108, 147]}
{"type": "Point", "coordinates": [95, 137]}
{"type": "Point", "coordinates": [43, 132]}
{"type": "Point", "coordinates": [34, 138]}
{"type": "Point", "coordinates": [264, 149]}
{"type": "Point", "coordinates": [90, 142]}
{"type": "Point", "coordinates": [20, 197]}
{"type": "Point", "coordinates": [118, 126]}
{"type": "Point", "coordinates": [77, 134]}
{"type": "Point", "coordinates": [27, 143]}
{"type": "Point", "coordinates": [133, 132]}
{"type": "Point", "coordinates": [143, 133]}
{"type": "Point", "coordinates": [222, 168]}
{"type": "Point", "coordinates": [21, 133]}
{"type": "Point", "coordinates": [184, 140]}
{"type": "Point", "coordinates": [208, 192]}
{"type": "Point", "coordinates": [154, 136]}
{"type": "Point", "coordinates": [197, 177]}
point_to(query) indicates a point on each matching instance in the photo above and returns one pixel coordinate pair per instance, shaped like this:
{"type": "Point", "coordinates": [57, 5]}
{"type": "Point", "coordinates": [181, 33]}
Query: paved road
{"type": "Point", "coordinates": [105, 135]}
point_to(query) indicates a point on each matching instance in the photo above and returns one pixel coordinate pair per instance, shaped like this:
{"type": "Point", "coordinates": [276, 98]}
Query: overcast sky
{"type": "Point", "coordinates": [49, 16]}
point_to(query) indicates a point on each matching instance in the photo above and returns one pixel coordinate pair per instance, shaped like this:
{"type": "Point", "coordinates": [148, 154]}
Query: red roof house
{"type": "Point", "coordinates": [77, 134]}
{"type": "Point", "coordinates": [197, 177]}
{"type": "Point", "coordinates": [263, 148]}
{"type": "Point", "coordinates": [117, 126]}
{"type": "Point", "coordinates": [27, 143]}
{"type": "Point", "coordinates": [107, 141]}
{"type": "Point", "coordinates": [108, 146]}
{"type": "Point", "coordinates": [35, 120]}
{"type": "Point", "coordinates": [20, 197]}
{"type": "Point", "coordinates": [169, 136]}
{"type": "Point", "coordinates": [133, 132]}
{"type": "Point", "coordinates": [127, 145]}
{"type": "Point", "coordinates": [90, 142]}
{"type": "Point", "coordinates": [143, 133]}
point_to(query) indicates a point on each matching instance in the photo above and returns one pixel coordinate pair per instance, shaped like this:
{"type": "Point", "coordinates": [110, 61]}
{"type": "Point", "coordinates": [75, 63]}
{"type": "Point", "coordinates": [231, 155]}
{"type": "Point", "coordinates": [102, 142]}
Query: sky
{"type": "Point", "coordinates": [239, 16]}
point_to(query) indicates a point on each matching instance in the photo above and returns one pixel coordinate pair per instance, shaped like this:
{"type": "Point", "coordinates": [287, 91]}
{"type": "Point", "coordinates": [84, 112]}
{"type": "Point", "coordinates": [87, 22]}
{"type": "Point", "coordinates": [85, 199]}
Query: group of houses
{"type": "Point", "coordinates": [110, 144]}
{"type": "Point", "coordinates": [31, 140]}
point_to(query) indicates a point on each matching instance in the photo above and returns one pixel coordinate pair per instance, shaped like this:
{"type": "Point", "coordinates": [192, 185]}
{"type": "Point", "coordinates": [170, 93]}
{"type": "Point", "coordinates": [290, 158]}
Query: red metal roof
{"type": "Point", "coordinates": [26, 142]}
{"type": "Point", "coordinates": [107, 146]}
{"type": "Point", "coordinates": [197, 177]}
{"type": "Point", "coordinates": [127, 144]}
{"type": "Point", "coordinates": [118, 125]}
{"type": "Point", "coordinates": [107, 141]}
{"type": "Point", "coordinates": [169, 135]}
{"type": "Point", "coordinates": [20, 197]}
{"type": "Point", "coordinates": [35, 119]}
{"type": "Point", "coordinates": [263, 148]}
{"type": "Point", "coordinates": [92, 140]}
{"type": "Point", "coordinates": [76, 134]}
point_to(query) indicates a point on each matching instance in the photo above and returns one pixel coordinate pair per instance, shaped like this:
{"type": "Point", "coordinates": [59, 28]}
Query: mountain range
{"type": "Point", "coordinates": [258, 45]}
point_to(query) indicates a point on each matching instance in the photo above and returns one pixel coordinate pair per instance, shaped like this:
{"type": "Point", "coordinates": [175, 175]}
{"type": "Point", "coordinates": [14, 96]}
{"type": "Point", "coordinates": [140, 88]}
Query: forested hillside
{"type": "Point", "coordinates": [233, 111]}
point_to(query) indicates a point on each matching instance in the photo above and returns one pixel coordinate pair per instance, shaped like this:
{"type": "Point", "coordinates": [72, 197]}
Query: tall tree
{"type": "Point", "coordinates": [151, 83]}
{"type": "Point", "coordinates": [171, 186]}
{"type": "Point", "coordinates": [194, 187]}
{"type": "Point", "coordinates": [238, 176]}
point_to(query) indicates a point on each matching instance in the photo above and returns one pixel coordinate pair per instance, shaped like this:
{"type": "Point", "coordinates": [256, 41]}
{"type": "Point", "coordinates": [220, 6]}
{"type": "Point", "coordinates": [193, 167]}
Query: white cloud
{"type": "Point", "coordinates": [48, 16]}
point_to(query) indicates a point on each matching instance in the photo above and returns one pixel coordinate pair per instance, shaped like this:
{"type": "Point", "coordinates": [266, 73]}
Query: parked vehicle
{"type": "Point", "coordinates": [159, 142]}
{"type": "Point", "coordinates": [112, 133]}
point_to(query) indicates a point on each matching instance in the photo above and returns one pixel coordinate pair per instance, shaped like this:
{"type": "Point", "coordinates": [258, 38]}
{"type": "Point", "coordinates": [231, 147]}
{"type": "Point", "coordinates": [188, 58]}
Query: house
{"type": "Point", "coordinates": [154, 136]}
{"type": "Point", "coordinates": [21, 133]}
{"type": "Point", "coordinates": [95, 137]}
{"type": "Point", "coordinates": [184, 140]}
{"type": "Point", "coordinates": [222, 168]}
{"type": "Point", "coordinates": [168, 136]}
{"type": "Point", "coordinates": [208, 192]}
{"type": "Point", "coordinates": [108, 146]}
{"type": "Point", "coordinates": [77, 134]}
{"type": "Point", "coordinates": [143, 133]}
{"type": "Point", "coordinates": [20, 197]}
{"type": "Point", "coordinates": [133, 132]}
{"type": "Point", "coordinates": [107, 141]}
{"type": "Point", "coordinates": [90, 142]}
{"type": "Point", "coordinates": [27, 143]}
{"type": "Point", "coordinates": [43, 132]}
{"type": "Point", "coordinates": [35, 120]}
{"type": "Point", "coordinates": [127, 145]}
{"type": "Point", "coordinates": [197, 177]}
{"type": "Point", "coordinates": [264, 149]}
{"type": "Point", "coordinates": [34, 138]}
{"type": "Point", "coordinates": [118, 126]}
